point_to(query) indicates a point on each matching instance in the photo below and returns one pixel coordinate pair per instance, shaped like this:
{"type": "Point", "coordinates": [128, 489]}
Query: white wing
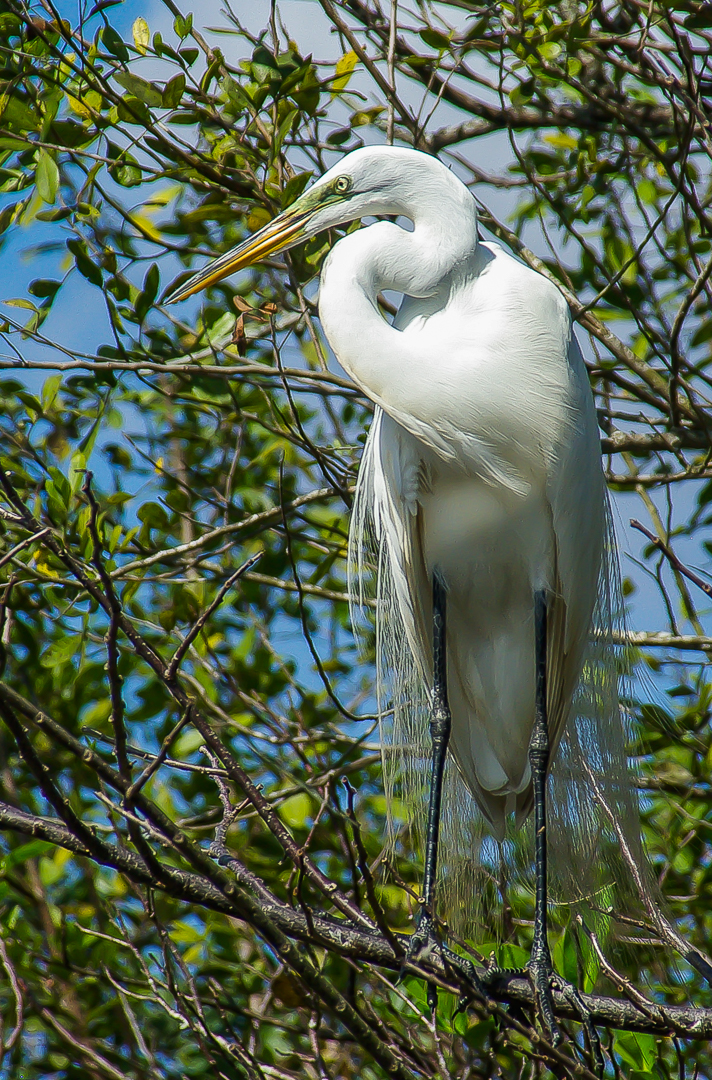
{"type": "Point", "coordinates": [495, 541]}
{"type": "Point", "coordinates": [423, 514]}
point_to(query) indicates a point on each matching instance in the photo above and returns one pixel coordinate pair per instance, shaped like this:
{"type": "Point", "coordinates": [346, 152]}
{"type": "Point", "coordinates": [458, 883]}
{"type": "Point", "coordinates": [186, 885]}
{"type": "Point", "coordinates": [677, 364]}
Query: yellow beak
{"type": "Point", "coordinates": [284, 231]}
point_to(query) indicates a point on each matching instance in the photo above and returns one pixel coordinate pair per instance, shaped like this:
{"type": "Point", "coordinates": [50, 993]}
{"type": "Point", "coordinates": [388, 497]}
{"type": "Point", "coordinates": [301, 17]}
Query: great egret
{"type": "Point", "coordinates": [481, 479]}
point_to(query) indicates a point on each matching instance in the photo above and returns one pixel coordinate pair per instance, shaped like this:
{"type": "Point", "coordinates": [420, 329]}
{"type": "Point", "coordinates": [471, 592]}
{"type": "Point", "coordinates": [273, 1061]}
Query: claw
{"type": "Point", "coordinates": [540, 972]}
{"type": "Point", "coordinates": [576, 1001]}
{"type": "Point", "coordinates": [423, 943]}
{"type": "Point", "coordinates": [544, 979]}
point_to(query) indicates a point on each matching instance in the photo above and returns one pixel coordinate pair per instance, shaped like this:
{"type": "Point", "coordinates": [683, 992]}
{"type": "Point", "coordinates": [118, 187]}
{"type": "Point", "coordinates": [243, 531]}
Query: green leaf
{"type": "Point", "coordinates": [60, 485]}
{"type": "Point", "coordinates": [10, 212]}
{"type": "Point", "coordinates": [127, 172]}
{"type": "Point", "coordinates": [549, 50]}
{"type": "Point", "coordinates": [221, 328]}
{"type": "Point", "coordinates": [71, 134]}
{"type": "Point", "coordinates": [564, 956]}
{"type": "Point", "coordinates": [114, 44]}
{"type": "Point", "coordinates": [510, 955]}
{"type": "Point", "coordinates": [142, 89]}
{"type": "Point", "coordinates": [521, 93]}
{"type": "Point", "coordinates": [21, 303]}
{"type": "Point", "coordinates": [562, 140]}
{"type": "Point", "coordinates": [648, 192]}
{"type": "Point", "coordinates": [32, 403]}
{"type": "Point", "coordinates": [44, 287]}
{"type": "Point", "coordinates": [46, 177]}
{"type": "Point", "coordinates": [97, 714]}
{"type": "Point", "coordinates": [702, 334]}
{"type": "Point", "coordinates": [636, 1049]}
{"type": "Point", "coordinates": [366, 116]}
{"type": "Point", "coordinates": [308, 93]}
{"type": "Point", "coordinates": [24, 852]}
{"type": "Point", "coordinates": [132, 110]}
{"type": "Point", "coordinates": [50, 390]}
{"type": "Point", "coordinates": [187, 743]}
{"type": "Point", "coordinates": [173, 91]}
{"type": "Point", "coordinates": [264, 66]}
{"type": "Point", "coordinates": [294, 187]}
{"type": "Point", "coordinates": [124, 168]}
{"type": "Point", "coordinates": [295, 811]}
{"type": "Point", "coordinates": [434, 39]}
{"type": "Point", "coordinates": [84, 264]}
{"type": "Point", "coordinates": [148, 294]}
{"type": "Point", "coordinates": [61, 213]}
{"type": "Point", "coordinates": [283, 130]}
{"type": "Point", "coordinates": [77, 469]}
{"type": "Point", "coordinates": [8, 143]}
{"type": "Point", "coordinates": [153, 515]}
{"type": "Point", "coordinates": [182, 25]}
{"type": "Point", "coordinates": [341, 135]}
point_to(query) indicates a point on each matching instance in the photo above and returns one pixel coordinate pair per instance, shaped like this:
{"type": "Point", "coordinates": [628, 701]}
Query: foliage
{"type": "Point", "coordinates": [193, 877]}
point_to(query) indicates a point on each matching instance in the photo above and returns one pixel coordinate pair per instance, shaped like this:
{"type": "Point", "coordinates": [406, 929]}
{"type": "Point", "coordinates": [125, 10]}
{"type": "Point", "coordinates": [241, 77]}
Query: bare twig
{"type": "Point", "coordinates": [200, 623]}
{"type": "Point", "coordinates": [672, 558]}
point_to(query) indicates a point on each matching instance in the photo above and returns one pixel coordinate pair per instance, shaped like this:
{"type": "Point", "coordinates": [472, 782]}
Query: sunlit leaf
{"type": "Point", "coordinates": [345, 66]}
{"type": "Point", "coordinates": [141, 34]}
{"type": "Point", "coordinates": [47, 176]}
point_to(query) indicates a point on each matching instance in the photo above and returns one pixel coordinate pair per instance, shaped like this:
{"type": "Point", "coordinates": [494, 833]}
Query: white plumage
{"type": "Point", "coordinates": [483, 460]}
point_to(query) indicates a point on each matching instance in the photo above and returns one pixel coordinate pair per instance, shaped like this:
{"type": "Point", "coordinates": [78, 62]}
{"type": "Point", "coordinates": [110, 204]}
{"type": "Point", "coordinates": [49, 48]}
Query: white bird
{"type": "Point", "coordinates": [481, 483]}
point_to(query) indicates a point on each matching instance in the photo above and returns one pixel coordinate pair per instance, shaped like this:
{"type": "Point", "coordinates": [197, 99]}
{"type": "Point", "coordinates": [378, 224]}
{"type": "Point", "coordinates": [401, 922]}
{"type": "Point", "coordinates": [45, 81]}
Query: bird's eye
{"type": "Point", "coordinates": [342, 185]}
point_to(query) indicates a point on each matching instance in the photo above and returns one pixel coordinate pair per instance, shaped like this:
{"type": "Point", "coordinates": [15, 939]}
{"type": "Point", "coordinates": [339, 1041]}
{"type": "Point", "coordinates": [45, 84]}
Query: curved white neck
{"type": "Point", "coordinates": [431, 260]}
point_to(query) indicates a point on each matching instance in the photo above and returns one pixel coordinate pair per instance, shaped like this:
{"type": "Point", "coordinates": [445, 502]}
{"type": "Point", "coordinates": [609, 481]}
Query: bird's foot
{"type": "Point", "coordinates": [423, 945]}
{"type": "Point", "coordinates": [544, 980]}
{"type": "Point", "coordinates": [542, 977]}
{"type": "Point", "coordinates": [477, 982]}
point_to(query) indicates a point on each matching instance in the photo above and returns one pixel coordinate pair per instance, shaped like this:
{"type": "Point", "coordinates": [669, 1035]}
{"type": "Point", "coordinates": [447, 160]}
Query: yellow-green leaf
{"type": "Point", "coordinates": [173, 91]}
{"type": "Point", "coordinates": [562, 139]}
{"type": "Point", "coordinates": [295, 810]}
{"type": "Point", "coordinates": [344, 70]}
{"type": "Point", "coordinates": [145, 225]}
{"type": "Point", "coordinates": [187, 743]}
{"type": "Point", "coordinates": [49, 390]}
{"type": "Point", "coordinates": [46, 177]}
{"type": "Point", "coordinates": [258, 217]}
{"type": "Point", "coordinates": [140, 88]}
{"type": "Point", "coordinates": [141, 34]}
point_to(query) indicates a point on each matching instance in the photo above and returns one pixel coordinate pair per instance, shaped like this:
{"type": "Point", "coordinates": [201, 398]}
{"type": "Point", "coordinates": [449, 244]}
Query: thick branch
{"type": "Point", "coordinates": [356, 942]}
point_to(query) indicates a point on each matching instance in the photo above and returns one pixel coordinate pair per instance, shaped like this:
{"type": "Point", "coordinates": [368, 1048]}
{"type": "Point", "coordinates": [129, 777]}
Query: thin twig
{"type": "Point", "coordinates": [391, 70]}
{"type": "Point", "coordinates": [179, 654]}
{"type": "Point", "coordinates": [672, 558]}
{"type": "Point", "coordinates": [158, 760]}
{"type": "Point", "coordinates": [23, 544]}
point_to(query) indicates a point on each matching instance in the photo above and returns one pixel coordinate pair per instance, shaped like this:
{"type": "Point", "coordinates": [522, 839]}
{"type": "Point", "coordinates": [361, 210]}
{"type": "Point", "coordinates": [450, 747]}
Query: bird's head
{"type": "Point", "coordinates": [371, 181]}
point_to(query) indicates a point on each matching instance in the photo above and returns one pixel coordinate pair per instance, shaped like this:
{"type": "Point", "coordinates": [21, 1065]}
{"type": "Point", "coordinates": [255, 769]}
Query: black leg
{"type": "Point", "coordinates": [540, 966]}
{"type": "Point", "coordinates": [424, 940]}
{"type": "Point", "coordinates": [541, 971]}
{"type": "Point", "coordinates": [440, 724]}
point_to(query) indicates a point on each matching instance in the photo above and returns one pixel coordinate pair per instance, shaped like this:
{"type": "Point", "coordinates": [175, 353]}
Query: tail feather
{"type": "Point", "coordinates": [481, 839]}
